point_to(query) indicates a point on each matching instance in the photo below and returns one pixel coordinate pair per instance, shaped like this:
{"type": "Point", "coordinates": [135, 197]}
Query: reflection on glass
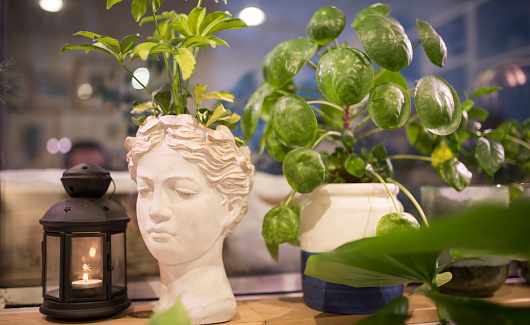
{"type": "Point", "coordinates": [53, 265]}
{"type": "Point", "coordinates": [117, 261]}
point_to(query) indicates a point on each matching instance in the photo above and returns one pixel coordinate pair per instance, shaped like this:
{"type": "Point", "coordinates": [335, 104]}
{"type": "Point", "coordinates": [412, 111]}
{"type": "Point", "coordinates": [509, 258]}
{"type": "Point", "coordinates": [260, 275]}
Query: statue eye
{"type": "Point", "coordinates": [185, 193]}
{"type": "Point", "coordinates": [144, 191]}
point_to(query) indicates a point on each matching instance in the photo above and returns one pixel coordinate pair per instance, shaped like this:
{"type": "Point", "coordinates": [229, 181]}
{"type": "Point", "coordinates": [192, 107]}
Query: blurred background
{"type": "Point", "coordinates": [61, 109]}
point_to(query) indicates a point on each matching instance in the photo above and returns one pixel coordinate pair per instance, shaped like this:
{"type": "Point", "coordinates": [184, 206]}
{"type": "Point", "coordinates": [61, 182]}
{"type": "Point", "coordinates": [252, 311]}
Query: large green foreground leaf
{"type": "Point", "coordinates": [463, 310]}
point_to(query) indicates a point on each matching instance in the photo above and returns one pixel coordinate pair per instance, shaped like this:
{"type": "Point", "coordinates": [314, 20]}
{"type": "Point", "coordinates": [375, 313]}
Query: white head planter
{"type": "Point", "coordinates": [193, 184]}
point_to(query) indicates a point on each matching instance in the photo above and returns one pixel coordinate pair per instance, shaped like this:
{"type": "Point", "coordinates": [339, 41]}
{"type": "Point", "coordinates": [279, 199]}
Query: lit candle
{"type": "Point", "coordinates": [86, 283]}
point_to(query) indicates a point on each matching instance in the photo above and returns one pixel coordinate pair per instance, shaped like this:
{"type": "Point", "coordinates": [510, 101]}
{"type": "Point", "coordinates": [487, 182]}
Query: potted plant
{"type": "Point", "coordinates": [193, 176]}
{"type": "Point", "coordinates": [353, 102]}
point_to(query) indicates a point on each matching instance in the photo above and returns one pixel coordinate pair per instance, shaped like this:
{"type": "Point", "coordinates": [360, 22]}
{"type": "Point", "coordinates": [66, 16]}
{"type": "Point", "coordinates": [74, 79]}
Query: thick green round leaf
{"type": "Point", "coordinates": [274, 145]}
{"type": "Point", "coordinates": [348, 139]}
{"type": "Point", "coordinates": [345, 76]}
{"type": "Point", "coordinates": [385, 42]}
{"type": "Point", "coordinates": [437, 105]}
{"type": "Point", "coordinates": [304, 170]}
{"type": "Point", "coordinates": [252, 110]}
{"type": "Point", "coordinates": [392, 222]}
{"type": "Point", "coordinates": [325, 25]}
{"type": "Point", "coordinates": [433, 44]}
{"type": "Point", "coordinates": [419, 138]}
{"type": "Point", "coordinates": [490, 155]}
{"type": "Point", "coordinates": [280, 225]}
{"type": "Point", "coordinates": [390, 76]}
{"type": "Point", "coordinates": [355, 165]}
{"type": "Point", "coordinates": [294, 121]}
{"type": "Point", "coordinates": [455, 173]}
{"type": "Point", "coordinates": [376, 8]}
{"type": "Point", "coordinates": [286, 59]}
{"type": "Point", "coordinates": [389, 106]}
{"type": "Point", "coordinates": [272, 99]}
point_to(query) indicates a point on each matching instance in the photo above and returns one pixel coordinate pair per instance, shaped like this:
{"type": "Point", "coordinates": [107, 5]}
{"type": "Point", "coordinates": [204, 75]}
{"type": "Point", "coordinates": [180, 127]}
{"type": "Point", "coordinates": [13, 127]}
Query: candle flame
{"type": "Point", "coordinates": [92, 252]}
{"type": "Point", "coordinates": [85, 278]}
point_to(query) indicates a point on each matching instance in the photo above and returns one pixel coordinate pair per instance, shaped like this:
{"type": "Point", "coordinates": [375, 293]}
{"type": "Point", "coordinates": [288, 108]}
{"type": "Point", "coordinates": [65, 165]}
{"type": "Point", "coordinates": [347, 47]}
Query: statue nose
{"type": "Point", "coordinates": [160, 210]}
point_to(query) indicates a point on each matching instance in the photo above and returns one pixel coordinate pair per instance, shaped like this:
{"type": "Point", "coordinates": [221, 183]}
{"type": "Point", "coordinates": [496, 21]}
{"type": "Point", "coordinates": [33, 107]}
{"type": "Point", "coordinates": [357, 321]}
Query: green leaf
{"type": "Point", "coordinates": [395, 221]}
{"type": "Point", "coordinates": [274, 250]}
{"type": "Point", "coordinates": [216, 41]}
{"type": "Point", "coordinates": [294, 121]}
{"type": "Point", "coordinates": [210, 20]}
{"type": "Point", "coordinates": [139, 121]}
{"type": "Point", "coordinates": [490, 155]}
{"type": "Point", "coordinates": [304, 170]}
{"type": "Point", "coordinates": [355, 165]}
{"type": "Point", "coordinates": [390, 76]}
{"type": "Point", "coordinates": [325, 25]}
{"type": "Point", "coordinates": [455, 173]}
{"type": "Point", "coordinates": [219, 95]}
{"type": "Point", "coordinates": [112, 43]}
{"type": "Point", "coordinates": [419, 138]}
{"type": "Point", "coordinates": [252, 110]}
{"type": "Point", "coordinates": [177, 314]}
{"type": "Point", "coordinates": [198, 91]}
{"type": "Point", "coordinates": [353, 265]}
{"type": "Point", "coordinates": [477, 113]}
{"type": "Point", "coordinates": [157, 4]}
{"type": "Point", "coordinates": [376, 8]}
{"type": "Point", "coordinates": [88, 47]}
{"type": "Point", "coordinates": [345, 76]}
{"type": "Point", "coordinates": [144, 50]}
{"type": "Point", "coordinates": [163, 98]}
{"type": "Point", "coordinates": [437, 105]}
{"type": "Point", "coordinates": [385, 42]}
{"type": "Point", "coordinates": [280, 225]}
{"type": "Point", "coordinates": [111, 3]}
{"type": "Point", "coordinates": [127, 44]}
{"type": "Point", "coordinates": [224, 24]}
{"type": "Point", "coordinates": [516, 191]}
{"type": "Point", "coordinates": [286, 59]}
{"type": "Point", "coordinates": [441, 279]}
{"type": "Point", "coordinates": [140, 107]}
{"type": "Point", "coordinates": [195, 19]}
{"type": "Point", "coordinates": [198, 41]}
{"type": "Point", "coordinates": [182, 26]}
{"type": "Point", "coordinates": [464, 310]}
{"type": "Point", "coordinates": [433, 44]}
{"type": "Point", "coordinates": [138, 9]}
{"type": "Point", "coordinates": [484, 91]}
{"type": "Point", "coordinates": [275, 146]}
{"type": "Point", "coordinates": [393, 313]}
{"type": "Point", "coordinates": [218, 112]}
{"type": "Point", "coordinates": [389, 106]}
{"type": "Point", "coordinates": [186, 62]}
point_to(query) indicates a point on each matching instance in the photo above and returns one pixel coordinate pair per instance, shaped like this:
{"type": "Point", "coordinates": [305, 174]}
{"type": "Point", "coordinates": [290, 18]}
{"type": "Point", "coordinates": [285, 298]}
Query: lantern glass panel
{"type": "Point", "coordinates": [86, 267]}
{"type": "Point", "coordinates": [53, 266]}
{"type": "Point", "coordinates": [118, 261]}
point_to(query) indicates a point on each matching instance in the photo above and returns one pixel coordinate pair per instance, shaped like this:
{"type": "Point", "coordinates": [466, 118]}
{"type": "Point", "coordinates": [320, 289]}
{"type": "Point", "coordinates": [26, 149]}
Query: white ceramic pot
{"type": "Point", "coordinates": [335, 214]}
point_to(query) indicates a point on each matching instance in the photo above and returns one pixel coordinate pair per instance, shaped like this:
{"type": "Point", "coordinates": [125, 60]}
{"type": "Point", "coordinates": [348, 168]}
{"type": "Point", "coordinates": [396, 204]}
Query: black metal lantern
{"type": "Point", "coordinates": [83, 249]}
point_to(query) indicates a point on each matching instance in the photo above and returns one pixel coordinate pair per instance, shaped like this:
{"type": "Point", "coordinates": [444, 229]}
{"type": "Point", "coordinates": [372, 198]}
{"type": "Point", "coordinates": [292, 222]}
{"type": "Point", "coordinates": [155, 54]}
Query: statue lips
{"type": "Point", "coordinates": [158, 234]}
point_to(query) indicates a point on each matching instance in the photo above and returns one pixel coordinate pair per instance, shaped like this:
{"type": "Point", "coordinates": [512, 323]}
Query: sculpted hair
{"type": "Point", "coordinates": [226, 166]}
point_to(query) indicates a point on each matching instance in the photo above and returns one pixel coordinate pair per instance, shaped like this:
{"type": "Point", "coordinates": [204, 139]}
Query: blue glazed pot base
{"type": "Point", "coordinates": [343, 299]}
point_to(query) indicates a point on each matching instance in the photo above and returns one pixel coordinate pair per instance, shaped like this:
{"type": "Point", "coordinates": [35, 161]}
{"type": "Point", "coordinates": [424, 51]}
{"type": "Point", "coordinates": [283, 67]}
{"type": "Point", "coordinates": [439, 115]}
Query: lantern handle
{"type": "Point", "coordinates": [114, 190]}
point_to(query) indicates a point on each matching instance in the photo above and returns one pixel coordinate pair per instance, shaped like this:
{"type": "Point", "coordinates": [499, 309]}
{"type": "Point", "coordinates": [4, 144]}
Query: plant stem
{"type": "Point", "coordinates": [380, 179]}
{"type": "Point", "coordinates": [417, 43]}
{"type": "Point", "coordinates": [416, 157]}
{"type": "Point", "coordinates": [518, 141]}
{"type": "Point", "coordinates": [314, 66]}
{"type": "Point", "coordinates": [288, 198]}
{"type": "Point", "coordinates": [323, 102]}
{"type": "Point", "coordinates": [366, 119]}
{"type": "Point", "coordinates": [411, 198]}
{"type": "Point", "coordinates": [308, 89]}
{"type": "Point", "coordinates": [356, 41]}
{"type": "Point", "coordinates": [369, 133]}
{"type": "Point", "coordinates": [380, 73]}
{"type": "Point", "coordinates": [323, 136]}
{"type": "Point", "coordinates": [441, 313]}
{"type": "Point", "coordinates": [336, 43]}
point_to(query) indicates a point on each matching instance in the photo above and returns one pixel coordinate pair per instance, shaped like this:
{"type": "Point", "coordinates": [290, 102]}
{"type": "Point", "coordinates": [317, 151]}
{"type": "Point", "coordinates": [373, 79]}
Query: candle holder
{"type": "Point", "coordinates": [84, 272]}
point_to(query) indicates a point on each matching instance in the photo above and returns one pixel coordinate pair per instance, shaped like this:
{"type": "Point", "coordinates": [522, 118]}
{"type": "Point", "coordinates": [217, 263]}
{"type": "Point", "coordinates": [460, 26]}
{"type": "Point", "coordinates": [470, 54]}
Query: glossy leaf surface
{"type": "Point", "coordinates": [419, 138]}
{"type": "Point", "coordinates": [304, 170]}
{"type": "Point", "coordinates": [252, 110]}
{"type": "Point", "coordinates": [276, 148]}
{"type": "Point", "coordinates": [294, 121]}
{"type": "Point", "coordinates": [345, 76]}
{"type": "Point", "coordinates": [395, 221]}
{"type": "Point", "coordinates": [286, 59]}
{"type": "Point", "coordinates": [325, 25]}
{"type": "Point", "coordinates": [432, 43]}
{"type": "Point", "coordinates": [389, 106]}
{"type": "Point", "coordinates": [376, 8]}
{"type": "Point", "coordinates": [385, 42]}
{"type": "Point", "coordinates": [455, 173]}
{"type": "Point", "coordinates": [490, 155]}
{"type": "Point", "coordinates": [437, 105]}
{"type": "Point", "coordinates": [280, 225]}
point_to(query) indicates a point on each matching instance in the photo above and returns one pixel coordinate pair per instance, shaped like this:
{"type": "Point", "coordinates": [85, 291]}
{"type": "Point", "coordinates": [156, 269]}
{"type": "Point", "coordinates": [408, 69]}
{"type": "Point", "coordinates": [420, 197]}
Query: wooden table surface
{"type": "Point", "coordinates": [278, 311]}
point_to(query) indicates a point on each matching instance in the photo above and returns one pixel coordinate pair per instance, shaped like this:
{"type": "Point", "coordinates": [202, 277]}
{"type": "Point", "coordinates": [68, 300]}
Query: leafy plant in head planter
{"type": "Point", "coordinates": [177, 38]}
{"type": "Point", "coordinates": [353, 102]}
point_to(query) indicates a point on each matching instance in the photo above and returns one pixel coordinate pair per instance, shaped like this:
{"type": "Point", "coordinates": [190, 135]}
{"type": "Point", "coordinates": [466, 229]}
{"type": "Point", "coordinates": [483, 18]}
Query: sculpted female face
{"type": "Point", "coordinates": [179, 212]}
